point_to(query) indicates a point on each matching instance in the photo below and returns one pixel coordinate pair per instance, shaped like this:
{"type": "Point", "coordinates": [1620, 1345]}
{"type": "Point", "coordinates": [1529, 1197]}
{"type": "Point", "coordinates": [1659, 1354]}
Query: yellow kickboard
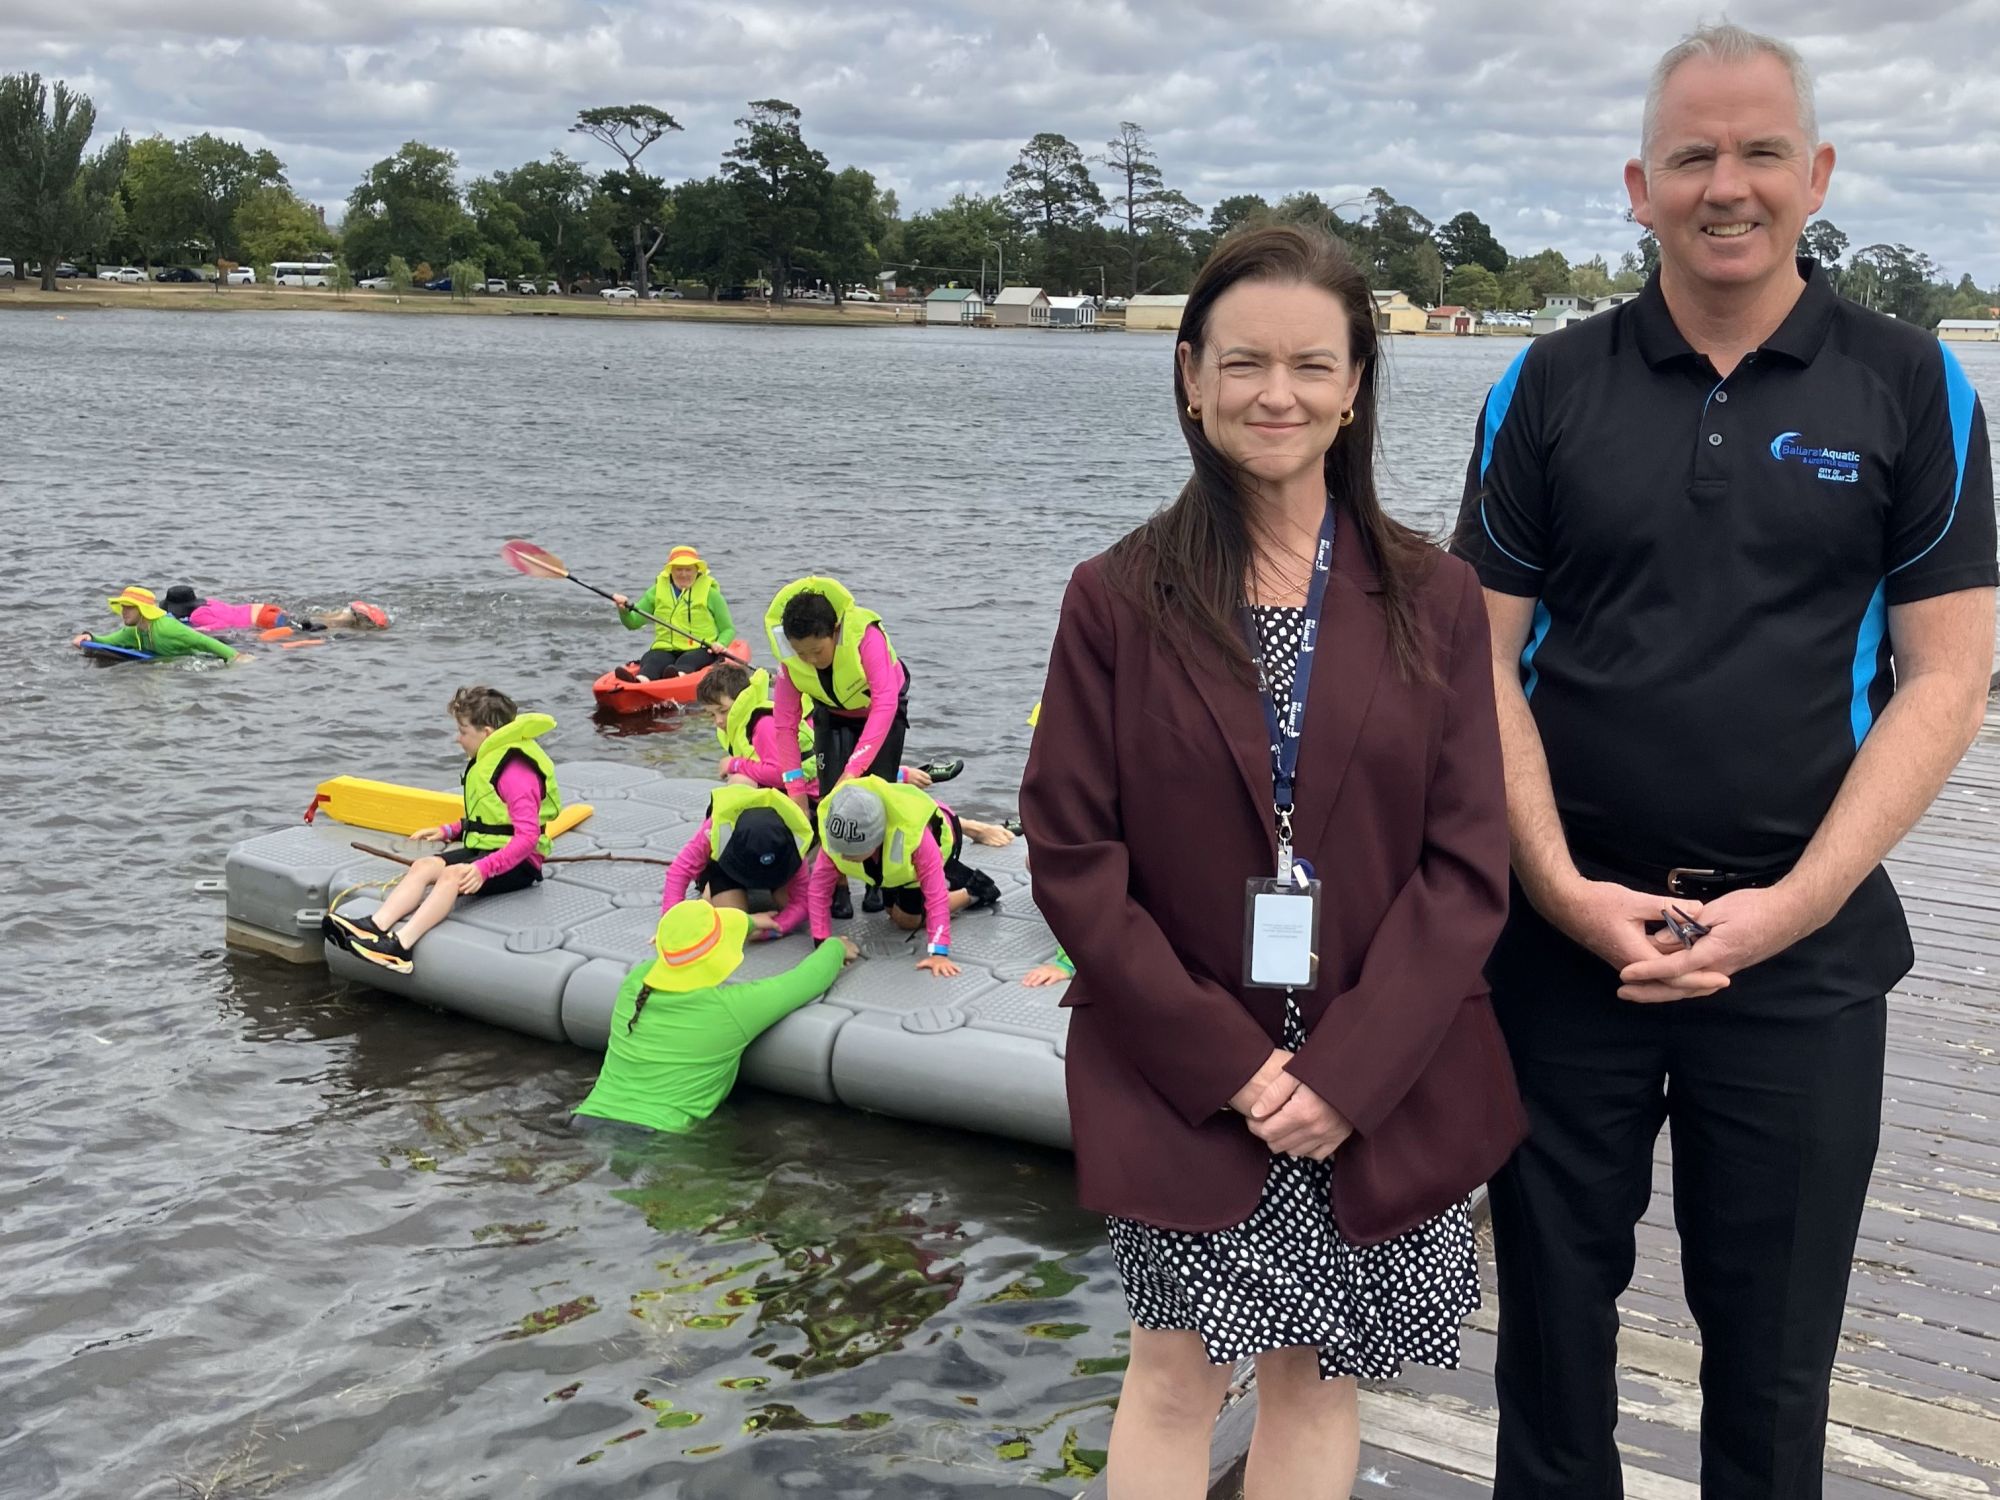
{"type": "Point", "coordinates": [388, 808]}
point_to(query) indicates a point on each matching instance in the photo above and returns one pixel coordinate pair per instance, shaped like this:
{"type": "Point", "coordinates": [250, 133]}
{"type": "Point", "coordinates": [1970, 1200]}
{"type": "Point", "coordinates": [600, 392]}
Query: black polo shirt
{"type": "Point", "coordinates": [1713, 561]}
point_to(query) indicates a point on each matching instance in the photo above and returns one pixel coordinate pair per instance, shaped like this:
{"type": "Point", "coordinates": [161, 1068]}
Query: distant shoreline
{"type": "Point", "coordinates": [89, 296]}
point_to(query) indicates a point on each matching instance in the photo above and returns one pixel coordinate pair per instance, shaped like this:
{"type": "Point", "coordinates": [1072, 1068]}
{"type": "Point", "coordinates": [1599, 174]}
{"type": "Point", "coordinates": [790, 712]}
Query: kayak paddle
{"type": "Point", "coordinates": [539, 562]}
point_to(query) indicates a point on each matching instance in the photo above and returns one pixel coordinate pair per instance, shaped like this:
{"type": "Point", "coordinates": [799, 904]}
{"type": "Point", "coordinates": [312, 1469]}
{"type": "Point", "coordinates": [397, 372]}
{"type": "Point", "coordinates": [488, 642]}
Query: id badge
{"type": "Point", "coordinates": [1281, 934]}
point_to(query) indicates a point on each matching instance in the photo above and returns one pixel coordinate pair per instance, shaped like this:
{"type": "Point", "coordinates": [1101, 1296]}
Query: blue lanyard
{"type": "Point", "coordinates": [1289, 727]}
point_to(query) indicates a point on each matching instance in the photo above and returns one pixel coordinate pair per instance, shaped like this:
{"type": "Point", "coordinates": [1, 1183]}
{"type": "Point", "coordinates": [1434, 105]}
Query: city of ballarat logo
{"type": "Point", "coordinates": [1832, 465]}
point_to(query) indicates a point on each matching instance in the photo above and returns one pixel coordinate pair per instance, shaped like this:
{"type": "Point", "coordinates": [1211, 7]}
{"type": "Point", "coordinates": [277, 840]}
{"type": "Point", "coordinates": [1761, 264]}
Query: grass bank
{"type": "Point", "coordinates": [85, 296]}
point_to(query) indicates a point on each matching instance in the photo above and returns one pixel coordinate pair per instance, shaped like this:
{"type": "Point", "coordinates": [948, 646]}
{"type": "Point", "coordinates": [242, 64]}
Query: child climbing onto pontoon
{"type": "Point", "coordinates": [896, 838]}
{"type": "Point", "coordinates": [511, 799]}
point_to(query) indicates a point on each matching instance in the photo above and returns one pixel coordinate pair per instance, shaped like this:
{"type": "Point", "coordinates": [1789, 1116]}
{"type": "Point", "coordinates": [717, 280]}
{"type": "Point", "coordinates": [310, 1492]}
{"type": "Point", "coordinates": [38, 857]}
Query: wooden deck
{"type": "Point", "coordinates": [1916, 1393]}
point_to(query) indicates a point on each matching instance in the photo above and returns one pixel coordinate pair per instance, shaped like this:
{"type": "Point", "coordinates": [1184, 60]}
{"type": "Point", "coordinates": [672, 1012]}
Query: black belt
{"type": "Point", "coordinates": [1689, 882]}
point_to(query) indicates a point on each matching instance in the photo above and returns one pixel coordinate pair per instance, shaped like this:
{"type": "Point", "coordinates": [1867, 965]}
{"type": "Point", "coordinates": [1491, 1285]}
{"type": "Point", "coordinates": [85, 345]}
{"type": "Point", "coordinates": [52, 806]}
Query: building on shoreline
{"type": "Point", "coordinates": [1072, 312]}
{"type": "Point", "coordinates": [1396, 313]}
{"type": "Point", "coordinates": [954, 304]}
{"type": "Point", "coordinates": [1451, 318]}
{"type": "Point", "coordinates": [1970, 330]}
{"type": "Point", "coordinates": [1155, 312]}
{"type": "Point", "coordinates": [1565, 308]}
{"type": "Point", "coordinates": [1021, 307]}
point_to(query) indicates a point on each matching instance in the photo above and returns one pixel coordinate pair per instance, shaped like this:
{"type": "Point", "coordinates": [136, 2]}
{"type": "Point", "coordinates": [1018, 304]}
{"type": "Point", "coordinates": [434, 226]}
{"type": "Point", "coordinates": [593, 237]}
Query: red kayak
{"type": "Point", "coordinates": [621, 697]}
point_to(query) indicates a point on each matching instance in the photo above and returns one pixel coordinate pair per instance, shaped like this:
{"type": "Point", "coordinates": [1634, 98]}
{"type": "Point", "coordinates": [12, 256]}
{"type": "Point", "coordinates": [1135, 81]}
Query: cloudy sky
{"type": "Point", "coordinates": [1523, 112]}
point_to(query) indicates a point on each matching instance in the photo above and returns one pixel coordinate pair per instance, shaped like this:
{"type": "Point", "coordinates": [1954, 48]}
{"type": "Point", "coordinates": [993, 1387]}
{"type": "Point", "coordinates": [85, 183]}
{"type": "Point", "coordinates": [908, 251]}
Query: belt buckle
{"type": "Point", "coordinates": [1674, 880]}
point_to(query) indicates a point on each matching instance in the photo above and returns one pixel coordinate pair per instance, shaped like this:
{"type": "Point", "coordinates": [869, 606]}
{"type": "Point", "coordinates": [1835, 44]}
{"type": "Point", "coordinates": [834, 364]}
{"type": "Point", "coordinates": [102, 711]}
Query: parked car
{"type": "Point", "coordinates": [6, 269]}
{"type": "Point", "coordinates": [667, 293]}
{"type": "Point", "coordinates": [1114, 304]}
{"type": "Point", "coordinates": [732, 294]}
{"type": "Point", "coordinates": [242, 276]}
{"type": "Point", "coordinates": [126, 274]}
{"type": "Point", "coordinates": [497, 285]}
{"type": "Point", "coordinates": [526, 287]}
{"type": "Point", "coordinates": [376, 284]}
{"type": "Point", "coordinates": [552, 289]}
{"type": "Point", "coordinates": [179, 274]}
{"type": "Point", "coordinates": [862, 294]}
{"type": "Point", "coordinates": [619, 294]}
{"type": "Point", "coordinates": [442, 284]}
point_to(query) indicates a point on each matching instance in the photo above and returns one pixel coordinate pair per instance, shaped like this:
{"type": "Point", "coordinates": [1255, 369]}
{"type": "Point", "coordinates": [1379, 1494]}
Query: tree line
{"type": "Point", "coordinates": [776, 212]}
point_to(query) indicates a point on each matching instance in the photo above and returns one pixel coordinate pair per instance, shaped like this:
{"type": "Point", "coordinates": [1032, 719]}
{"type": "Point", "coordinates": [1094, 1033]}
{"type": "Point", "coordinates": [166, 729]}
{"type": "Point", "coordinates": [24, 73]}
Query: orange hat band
{"type": "Point", "coordinates": [680, 958]}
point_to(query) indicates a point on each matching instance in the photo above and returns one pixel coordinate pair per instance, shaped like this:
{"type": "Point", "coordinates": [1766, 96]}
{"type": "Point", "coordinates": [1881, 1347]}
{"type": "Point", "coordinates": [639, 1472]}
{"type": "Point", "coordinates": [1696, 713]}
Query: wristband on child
{"type": "Point", "coordinates": [940, 950]}
{"type": "Point", "coordinates": [902, 774]}
{"type": "Point", "coordinates": [799, 775]}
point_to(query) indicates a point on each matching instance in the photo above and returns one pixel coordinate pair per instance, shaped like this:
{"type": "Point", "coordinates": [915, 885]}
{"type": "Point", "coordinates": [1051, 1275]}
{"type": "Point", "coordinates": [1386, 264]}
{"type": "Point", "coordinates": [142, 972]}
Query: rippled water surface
{"type": "Point", "coordinates": [263, 1234]}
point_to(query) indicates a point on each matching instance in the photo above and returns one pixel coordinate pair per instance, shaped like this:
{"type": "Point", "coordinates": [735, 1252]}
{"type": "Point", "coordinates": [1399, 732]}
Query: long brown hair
{"type": "Point", "coordinates": [1185, 567]}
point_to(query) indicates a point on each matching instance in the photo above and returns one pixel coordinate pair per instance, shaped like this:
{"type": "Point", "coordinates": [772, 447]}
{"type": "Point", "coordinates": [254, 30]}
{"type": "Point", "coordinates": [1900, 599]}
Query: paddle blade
{"type": "Point", "coordinates": [536, 562]}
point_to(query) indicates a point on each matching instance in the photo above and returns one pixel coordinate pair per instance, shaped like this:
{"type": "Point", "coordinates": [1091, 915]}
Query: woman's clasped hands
{"type": "Point", "coordinates": [1286, 1115]}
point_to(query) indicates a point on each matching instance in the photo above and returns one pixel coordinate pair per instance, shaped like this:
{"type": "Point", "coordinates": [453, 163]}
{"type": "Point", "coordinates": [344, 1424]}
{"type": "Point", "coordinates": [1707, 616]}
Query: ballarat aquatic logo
{"type": "Point", "coordinates": [1833, 465]}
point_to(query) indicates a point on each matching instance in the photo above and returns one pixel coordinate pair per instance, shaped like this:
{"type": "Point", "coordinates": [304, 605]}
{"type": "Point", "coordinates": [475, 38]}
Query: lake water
{"type": "Point", "coordinates": [260, 1232]}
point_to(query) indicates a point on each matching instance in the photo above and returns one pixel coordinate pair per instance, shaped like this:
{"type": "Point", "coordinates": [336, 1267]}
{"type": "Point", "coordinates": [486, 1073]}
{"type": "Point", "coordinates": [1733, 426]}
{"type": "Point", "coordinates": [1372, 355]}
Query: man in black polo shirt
{"type": "Point", "coordinates": [1737, 538]}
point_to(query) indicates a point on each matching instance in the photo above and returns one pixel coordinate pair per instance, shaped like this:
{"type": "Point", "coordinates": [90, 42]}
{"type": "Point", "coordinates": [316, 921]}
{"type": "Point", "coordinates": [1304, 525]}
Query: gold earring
{"type": "Point", "coordinates": [1347, 417]}
{"type": "Point", "coordinates": [1193, 415]}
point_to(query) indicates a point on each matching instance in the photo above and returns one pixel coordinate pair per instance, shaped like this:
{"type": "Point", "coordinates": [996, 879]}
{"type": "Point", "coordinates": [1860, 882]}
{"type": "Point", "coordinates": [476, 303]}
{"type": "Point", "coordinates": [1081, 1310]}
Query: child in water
{"type": "Point", "coordinates": [220, 614]}
{"type": "Point", "coordinates": [511, 798]}
{"type": "Point", "coordinates": [897, 838]}
{"type": "Point", "coordinates": [678, 1033]}
{"type": "Point", "coordinates": [686, 597]}
{"type": "Point", "coordinates": [150, 628]}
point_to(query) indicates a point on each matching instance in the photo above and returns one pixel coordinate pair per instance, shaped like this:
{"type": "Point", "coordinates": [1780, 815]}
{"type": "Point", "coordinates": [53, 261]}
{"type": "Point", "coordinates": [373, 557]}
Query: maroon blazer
{"type": "Point", "coordinates": [1148, 805]}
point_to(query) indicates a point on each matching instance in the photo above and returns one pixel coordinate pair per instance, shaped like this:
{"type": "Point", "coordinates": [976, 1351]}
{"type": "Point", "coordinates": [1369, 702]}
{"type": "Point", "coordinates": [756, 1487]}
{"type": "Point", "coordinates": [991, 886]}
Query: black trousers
{"type": "Point", "coordinates": [664, 661]}
{"type": "Point", "coordinates": [1773, 1118]}
{"type": "Point", "coordinates": [836, 735]}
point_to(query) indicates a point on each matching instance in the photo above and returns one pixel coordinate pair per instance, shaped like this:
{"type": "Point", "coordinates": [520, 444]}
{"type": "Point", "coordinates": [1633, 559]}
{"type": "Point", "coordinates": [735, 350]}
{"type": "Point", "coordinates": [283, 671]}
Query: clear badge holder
{"type": "Point", "coordinates": [1281, 928]}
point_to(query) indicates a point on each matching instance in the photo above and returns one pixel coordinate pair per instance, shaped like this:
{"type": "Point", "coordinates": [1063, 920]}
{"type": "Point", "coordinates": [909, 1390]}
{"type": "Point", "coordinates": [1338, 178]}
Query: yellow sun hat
{"type": "Point", "coordinates": [685, 557]}
{"type": "Point", "coordinates": [698, 946]}
{"type": "Point", "coordinates": [140, 599]}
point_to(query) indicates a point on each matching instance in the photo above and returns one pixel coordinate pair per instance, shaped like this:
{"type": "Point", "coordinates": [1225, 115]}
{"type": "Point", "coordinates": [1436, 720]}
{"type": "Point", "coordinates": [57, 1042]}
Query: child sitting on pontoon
{"type": "Point", "coordinates": [511, 799]}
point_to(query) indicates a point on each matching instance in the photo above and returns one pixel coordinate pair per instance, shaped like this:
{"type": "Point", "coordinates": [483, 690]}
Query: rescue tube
{"type": "Point", "coordinates": [104, 654]}
{"type": "Point", "coordinates": [615, 695]}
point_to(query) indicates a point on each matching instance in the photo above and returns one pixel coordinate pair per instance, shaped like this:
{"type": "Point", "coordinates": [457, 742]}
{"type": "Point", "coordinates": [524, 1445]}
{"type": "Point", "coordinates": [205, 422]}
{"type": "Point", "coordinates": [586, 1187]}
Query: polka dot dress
{"type": "Point", "coordinates": [1284, 1277]}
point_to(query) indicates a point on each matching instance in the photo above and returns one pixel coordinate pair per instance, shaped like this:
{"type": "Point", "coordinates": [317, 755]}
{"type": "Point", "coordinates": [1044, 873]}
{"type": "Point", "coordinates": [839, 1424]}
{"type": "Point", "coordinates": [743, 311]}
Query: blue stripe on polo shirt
{"type": "Point", "coordinates": [1959, 400]}
{"type": "Point", "coordinates": [1497, 401]}
{"type": "Point", "coordinates": [1867, 658]}
{"type": "Point", "coordinates": [1541, 633]}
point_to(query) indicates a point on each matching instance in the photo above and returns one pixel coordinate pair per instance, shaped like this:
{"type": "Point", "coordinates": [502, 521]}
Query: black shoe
{"type": "Point", "coordinates": [335, 934]}
{"type": "Point", "coordinates": [388, 953]}
{"type": "Point", "coordinates": [1013, 826]}
{"type": "Point", "coordinates": [984, 890]}
{"type": "Point", "coordinates": [942, 770]}
{"type": "Point", "coordinates": [363, 928]}
{"type": "Point", "coordinates": [843, 904]}
{"type": "Point", "coordinates": [627, 673]}
{"type": "Point", "coordinates": [871, 899]}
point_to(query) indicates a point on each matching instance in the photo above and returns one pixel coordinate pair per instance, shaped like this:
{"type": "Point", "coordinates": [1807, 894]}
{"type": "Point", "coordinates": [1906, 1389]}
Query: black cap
{"type": "Point", "coordinates": [761, 854]}
{"type": "Point", "coordinates": [180, 601]}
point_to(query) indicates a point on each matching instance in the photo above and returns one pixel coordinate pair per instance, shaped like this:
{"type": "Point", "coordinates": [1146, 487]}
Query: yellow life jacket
{"type": "Point", "coordinates": [910, 813]}
{"type": "Point", "coordinates": [690, 611]}
{"type": "Point", "coordinates": [728, 804]}
{"type": "Point", "coordinates": [734, 733]}
{"type": "Point", "coordinates": [487, 823]}
{"type": "Point", "coordinates": [845, 683]}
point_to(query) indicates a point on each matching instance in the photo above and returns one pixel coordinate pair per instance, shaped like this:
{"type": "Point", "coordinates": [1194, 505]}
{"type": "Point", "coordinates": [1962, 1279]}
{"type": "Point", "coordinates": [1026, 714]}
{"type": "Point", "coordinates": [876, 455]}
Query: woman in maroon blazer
{"type": "Point", "coordinates": [1284, 1169]}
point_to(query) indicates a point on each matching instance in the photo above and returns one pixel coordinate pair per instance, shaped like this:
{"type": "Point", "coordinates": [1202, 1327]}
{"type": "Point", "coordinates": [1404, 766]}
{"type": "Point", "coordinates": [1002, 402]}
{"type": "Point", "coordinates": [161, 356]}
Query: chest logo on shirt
{"type": "Point", "coordinates": [1832, 465]}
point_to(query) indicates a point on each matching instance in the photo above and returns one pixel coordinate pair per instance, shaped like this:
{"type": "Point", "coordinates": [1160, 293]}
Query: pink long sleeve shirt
{"type": "Point", "coordinates": [761, 765]}
{"type": "Point", "coordinates": [520, 787]}
{"type": "Point", "coordinates": [219, 614]}
{"type": "Point", "coordinates": [684, 878]}
{"type": "Point", "coordinates": [885, 688]}
{"type": "Point", "coordinates": [931, 880]}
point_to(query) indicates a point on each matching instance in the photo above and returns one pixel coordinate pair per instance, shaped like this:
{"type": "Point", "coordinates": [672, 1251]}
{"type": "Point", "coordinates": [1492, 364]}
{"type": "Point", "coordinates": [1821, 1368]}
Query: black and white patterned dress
{"type": "Point", "coordinates": [1284, 1277]}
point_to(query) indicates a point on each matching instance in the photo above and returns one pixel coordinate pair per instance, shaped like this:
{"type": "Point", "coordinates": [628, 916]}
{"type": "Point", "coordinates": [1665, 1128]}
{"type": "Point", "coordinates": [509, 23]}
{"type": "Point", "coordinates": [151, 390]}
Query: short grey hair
{"type": "Point", "coordinates": [1727, 42]}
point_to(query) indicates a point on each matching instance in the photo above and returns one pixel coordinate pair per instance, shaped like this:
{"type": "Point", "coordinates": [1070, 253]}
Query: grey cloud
{"type": "Point", "coordinates": [1523, 113]}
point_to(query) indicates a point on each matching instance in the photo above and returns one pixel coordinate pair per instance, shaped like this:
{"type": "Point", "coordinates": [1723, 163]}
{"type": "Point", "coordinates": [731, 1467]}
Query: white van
{"type": "Point", "coordinates": [242, 276]}
{"type": "Point", "coordinates": [6, 269]}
